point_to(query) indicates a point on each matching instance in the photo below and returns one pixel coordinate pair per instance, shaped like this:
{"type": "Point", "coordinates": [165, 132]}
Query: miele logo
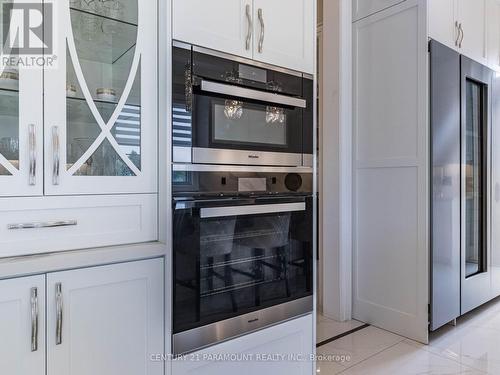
{"type": "Point", "coordinates": [253, 156]}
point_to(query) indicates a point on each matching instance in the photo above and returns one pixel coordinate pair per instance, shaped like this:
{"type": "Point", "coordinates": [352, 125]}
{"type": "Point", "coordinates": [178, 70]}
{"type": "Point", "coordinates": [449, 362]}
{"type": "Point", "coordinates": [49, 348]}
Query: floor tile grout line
{"type": "Point", "coordinates": [347, 333]}
{"type": "Point", "coordinates": [405, 341]}
{"type": "Point", "coordinates": [371, 356]}
{"type": "Point", "coordinates": [428, 349]}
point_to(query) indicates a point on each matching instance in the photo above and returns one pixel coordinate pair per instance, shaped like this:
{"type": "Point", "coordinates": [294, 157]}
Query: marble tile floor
{"type": "Point", "coordinates": [472, 347]}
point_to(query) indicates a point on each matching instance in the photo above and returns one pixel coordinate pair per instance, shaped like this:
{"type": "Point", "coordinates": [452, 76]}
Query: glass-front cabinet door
{"type": "Point", "coordinates": [475, 185]}
{"type": "Point", "coordinates": [101, 119]}
{"type": "Point", "coordinates": [21, 128]}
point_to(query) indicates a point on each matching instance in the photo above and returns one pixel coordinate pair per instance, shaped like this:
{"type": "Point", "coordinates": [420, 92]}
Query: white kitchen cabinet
{"type": "Point", "coordinates": [284, 33]}
{"type": "Point", "coordinates": [472, 16]}
{"type": "Point", "coordinates": [100, 101]}
{"type": "Point", "coordinates": [493, 23]}
{"type": "Point", "coordinates": [21, 131]}
{"type": "Point", "coordinates": [256, 353]}
{"type": "Point", "coordinates": [92, 123]}
{"type": "Point", "coordinates": [22, 326]}
{"type": "Point", "coordinates": [106, 320]}
{"type": "Point", "coordinates": [277, 32]}
{"type": "Point", "coordinates": [224, 25]}
{"type": "Point", "coordinates": [461, 25]}
{"type": "Point", "coordinates": [89, 128]}
{"type": "Point", "coordinates": [443, 22]}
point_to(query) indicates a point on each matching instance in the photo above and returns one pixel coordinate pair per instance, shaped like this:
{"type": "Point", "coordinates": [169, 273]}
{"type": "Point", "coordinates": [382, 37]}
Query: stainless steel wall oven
{"type": "Point", "coordinates": [228, 110]}
{"type": "Point", "coordinates": [243, 253]}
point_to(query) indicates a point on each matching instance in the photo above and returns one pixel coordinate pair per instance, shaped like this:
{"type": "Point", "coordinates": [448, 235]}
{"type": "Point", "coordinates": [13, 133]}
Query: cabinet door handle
{"type": "Point", "coordinates": [59, 313]}
{"type": "Point", "coordinates": [461, 35]}
{"type": "Point", "coordinates": [34, 319]}
{"type": "Point", "coordinates": [262, 29]}
{"type": "Point", "coordinates": [250, 26]}
{"type": "Point", "coordinates": [56, 155]}
{"type": "Point", "coordinates": [457, 29]}
{"type": "Point", "coordinates": [32, 153]}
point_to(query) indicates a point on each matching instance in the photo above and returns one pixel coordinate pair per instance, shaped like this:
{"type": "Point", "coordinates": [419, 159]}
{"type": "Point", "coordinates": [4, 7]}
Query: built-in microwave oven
{"type": "Point", "coordinates": [232, 111]}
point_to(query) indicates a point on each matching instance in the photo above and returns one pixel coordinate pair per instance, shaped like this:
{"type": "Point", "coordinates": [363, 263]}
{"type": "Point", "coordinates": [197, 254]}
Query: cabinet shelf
{"type": "Point", "coordinates": [100, 38]}
{"type": "Point", "coordinates": [103, 102]}
{"type": "Point", "coordinates": [93, 14]}
{"type": "Point", "coordinates": [11, 92]}
{"type": "Point", "coordinates": [79, 111]}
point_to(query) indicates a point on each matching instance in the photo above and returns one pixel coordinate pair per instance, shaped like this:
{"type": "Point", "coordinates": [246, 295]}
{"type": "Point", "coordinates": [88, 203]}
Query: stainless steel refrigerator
{"type": "Point", "coordinates": [460, 127]}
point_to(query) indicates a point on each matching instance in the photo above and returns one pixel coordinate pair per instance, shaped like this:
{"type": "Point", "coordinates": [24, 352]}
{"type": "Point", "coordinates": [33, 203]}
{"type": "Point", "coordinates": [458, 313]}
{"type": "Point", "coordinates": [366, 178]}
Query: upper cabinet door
{"type": "Point", "coordinates": [106, 320]}
{"type": "Point", "coordinates": [364, 8]}
{"type": "Point", "coordinates": [224, 25]}
{"type": "Point", "coordinates": [443, 22]}
{"type": "Point", "coordinates": [21, 127]}
{"type": "Point", "coordinates": [284, 33]}
{"type": "Point", "coordinates": [101, 99]}
{"type": "Point", "coordinates": [22, 326]}
{"type": "Point", "coordinates": [472, 42]}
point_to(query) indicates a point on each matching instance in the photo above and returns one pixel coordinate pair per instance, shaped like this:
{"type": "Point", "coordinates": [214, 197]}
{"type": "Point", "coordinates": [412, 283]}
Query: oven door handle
{"type": "Point", "coordinates": [242, 92]}
{"type": "Point", "coordinates": [213, 212]}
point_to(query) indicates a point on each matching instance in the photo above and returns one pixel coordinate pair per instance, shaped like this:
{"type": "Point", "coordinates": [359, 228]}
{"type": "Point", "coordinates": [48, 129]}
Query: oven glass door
{"type": "Point", "coordinates": [234, 259]}
{"type": "Point", "coordinates": [222, 122]}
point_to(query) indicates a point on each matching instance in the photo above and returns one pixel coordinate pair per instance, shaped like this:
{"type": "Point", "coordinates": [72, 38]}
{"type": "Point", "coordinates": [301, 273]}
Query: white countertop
{"type": "Point", "coordinates": [51, 262]}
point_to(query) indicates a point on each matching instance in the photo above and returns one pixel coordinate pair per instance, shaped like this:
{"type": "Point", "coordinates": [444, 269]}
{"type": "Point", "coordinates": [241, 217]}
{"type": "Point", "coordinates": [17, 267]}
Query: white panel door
{"type": "Point", "coordinates": [101, 100]}
{"type": "Point", "coordinates": [472, 16]}
{"type": "Point", "coordinates": [223, 25]}
{"type": "Point", "coordinates": [493, 21]}
{"type": "Point", "coordinates": [22, 326]}
{"type": "Point", "coordinates": [21, 127]}
{"type": "Point", "coordinates": [391, 171]}
{"type": "Point", "coordinates": [364, 8]}
{"type": "Point", "coordinates": [106, 320]}
{"type": "Point", "coordinates": [284, 33]}
{"type": "Point", "coordinates": [252, 354]}
{"type": "Point", "coordinates": [443, 22]}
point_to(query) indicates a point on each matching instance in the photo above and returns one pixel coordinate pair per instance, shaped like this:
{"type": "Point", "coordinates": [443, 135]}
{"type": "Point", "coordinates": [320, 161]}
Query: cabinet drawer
{"type": "Point", "coordinates": [292, 339]}
{"type": "Point", "coordinates": [47, 224]}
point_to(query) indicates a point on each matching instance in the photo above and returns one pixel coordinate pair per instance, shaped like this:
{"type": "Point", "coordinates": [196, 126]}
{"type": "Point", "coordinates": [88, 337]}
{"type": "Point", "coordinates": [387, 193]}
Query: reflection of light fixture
{"type": "Point", "coordinates": [275, 115]}
{"type": "Point", "coordinates": [90, 24]}
{"type": "Point", "coordinates": [233, 109]}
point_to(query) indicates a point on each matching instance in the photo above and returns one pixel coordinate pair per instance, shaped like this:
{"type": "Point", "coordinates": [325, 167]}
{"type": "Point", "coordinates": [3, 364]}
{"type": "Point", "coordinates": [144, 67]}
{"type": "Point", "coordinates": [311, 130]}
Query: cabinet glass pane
{"type": "Point", "coordinates": [105, 34]}
{"type": "Point", "coordinates": [9, 130]}
{"type": "Point", "coordinates": [475, 245]}
{"type": "Point", "coordinates": [9, 115]}
{"type": "Point", "coordinates": [104, 162]}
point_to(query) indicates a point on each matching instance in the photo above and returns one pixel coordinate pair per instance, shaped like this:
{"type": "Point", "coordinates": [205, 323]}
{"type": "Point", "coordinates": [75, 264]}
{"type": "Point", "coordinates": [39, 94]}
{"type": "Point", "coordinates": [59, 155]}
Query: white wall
{"type": "Point", "coordinates": [335, 160]}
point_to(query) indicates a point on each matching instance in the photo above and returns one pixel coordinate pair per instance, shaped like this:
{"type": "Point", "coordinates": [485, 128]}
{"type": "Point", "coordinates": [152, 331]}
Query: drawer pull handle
{"type": "Point", "coordinates": [47, 224]}
{"type": "Point", "coordinates": [34, 319]}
